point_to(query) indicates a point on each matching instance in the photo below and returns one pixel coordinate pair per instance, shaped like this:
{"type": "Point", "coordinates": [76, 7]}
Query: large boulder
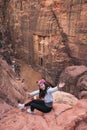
{"type": "Point", "coordinates": [64, 98]}
{"type": "Point", "coordinates": [72, 76]}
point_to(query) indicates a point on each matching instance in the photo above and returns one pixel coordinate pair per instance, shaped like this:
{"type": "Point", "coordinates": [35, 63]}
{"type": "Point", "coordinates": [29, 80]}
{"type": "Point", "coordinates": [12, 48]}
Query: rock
{"type": "Point", "coordinates": [82, 86]}
{"type": "Point", "coordinates": [10, 91]}
{"type": "Point", "coordinates": [64, 98]}
{"type": "Point", "coordinates": [4, 107]}
{"type": "Point", "coordinates": [74, 78]}
{"type": "Point", "coordinates": [71, 73]}
{"type": "Point", "coordinates": [73, 116]}
{"type": "Point", "coordinates": [62, 117]}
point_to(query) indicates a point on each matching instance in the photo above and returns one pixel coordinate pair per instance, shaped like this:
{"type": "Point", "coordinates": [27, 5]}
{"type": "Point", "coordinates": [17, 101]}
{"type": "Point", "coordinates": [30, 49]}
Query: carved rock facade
{"type": "Point", "coordinates": [49, 35]}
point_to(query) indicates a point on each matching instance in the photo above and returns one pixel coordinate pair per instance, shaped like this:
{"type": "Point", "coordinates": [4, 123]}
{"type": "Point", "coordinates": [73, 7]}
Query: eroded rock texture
{"type": "Point", "coordinates": [48, 34]}
{"type": "Point", "coordinates": [62, 117]}
{"type": "Point", "coordinates": [11, 90]}
{"type": "Point", "coordinates": [75, 79]}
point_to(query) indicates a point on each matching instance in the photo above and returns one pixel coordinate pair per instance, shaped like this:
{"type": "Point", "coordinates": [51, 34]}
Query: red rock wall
{"type": "Point", "coordinates": [63, 20]}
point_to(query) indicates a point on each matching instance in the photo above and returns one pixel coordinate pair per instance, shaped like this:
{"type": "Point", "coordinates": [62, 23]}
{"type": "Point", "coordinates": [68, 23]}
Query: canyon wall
{"type": "Point", "coordinates": [48, 34]}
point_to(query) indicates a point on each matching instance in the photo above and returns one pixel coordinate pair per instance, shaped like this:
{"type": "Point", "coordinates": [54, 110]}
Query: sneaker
{"type": "Point", "coordinates": [31, 112]}
{"type": "Point", "coordinates": [21, 106]}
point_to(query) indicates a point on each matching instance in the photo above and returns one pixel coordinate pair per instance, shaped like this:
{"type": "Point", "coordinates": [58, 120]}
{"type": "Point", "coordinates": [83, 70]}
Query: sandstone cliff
{"type": "Point", "coordinates": [43, 31]}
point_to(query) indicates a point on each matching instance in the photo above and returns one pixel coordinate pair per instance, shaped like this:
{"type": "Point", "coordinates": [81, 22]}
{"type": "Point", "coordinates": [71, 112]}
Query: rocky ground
{"type": "Point", "coordinates": [62, 117]}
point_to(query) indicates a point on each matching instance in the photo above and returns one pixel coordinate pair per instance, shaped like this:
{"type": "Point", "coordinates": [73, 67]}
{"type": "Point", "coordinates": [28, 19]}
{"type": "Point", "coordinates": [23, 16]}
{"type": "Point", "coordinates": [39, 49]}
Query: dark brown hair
{"type": "Point", "coordinates": [43, 92]}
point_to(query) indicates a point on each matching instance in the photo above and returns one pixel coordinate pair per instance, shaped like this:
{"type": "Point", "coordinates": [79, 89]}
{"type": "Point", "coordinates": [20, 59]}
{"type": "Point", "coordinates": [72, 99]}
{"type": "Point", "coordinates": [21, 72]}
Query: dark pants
{"type": "Point", "coordinates": [39, 105]}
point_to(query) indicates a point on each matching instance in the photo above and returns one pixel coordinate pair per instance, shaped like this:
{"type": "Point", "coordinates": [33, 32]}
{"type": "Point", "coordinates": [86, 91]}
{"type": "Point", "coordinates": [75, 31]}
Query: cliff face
{"type": "Point", "coordinates": [43, 31]}
{"type": "Point", "coordinates": [72, 20]}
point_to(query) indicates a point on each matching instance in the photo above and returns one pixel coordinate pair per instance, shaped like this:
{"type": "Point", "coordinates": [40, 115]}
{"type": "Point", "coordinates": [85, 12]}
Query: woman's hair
{"type": "Point", "coordinates": [43, 92]}
{"type": "Point", "coordinates": [50, 84]}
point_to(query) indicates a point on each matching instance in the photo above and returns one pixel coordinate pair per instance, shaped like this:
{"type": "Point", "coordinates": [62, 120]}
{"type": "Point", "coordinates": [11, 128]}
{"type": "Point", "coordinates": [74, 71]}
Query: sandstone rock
{"type": "Point", "coordinates": [62, 117]}
{"type": "Point", "coordinates": [74, 78]}
{"type": "Point", "coordinates": [64, 98]}
{"type": "Point", "coordinates": [82, 86]}
{"type": "Point", "coordinates": [71, 73]}
{"type": "Point", "coordinates": [4, 107]}
{"type": "Point", "coordinates": [10, 91]}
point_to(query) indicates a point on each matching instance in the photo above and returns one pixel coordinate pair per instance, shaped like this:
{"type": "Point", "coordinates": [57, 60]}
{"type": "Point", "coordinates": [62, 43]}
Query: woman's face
{"type": "Point", "coordinates": [42, 86]}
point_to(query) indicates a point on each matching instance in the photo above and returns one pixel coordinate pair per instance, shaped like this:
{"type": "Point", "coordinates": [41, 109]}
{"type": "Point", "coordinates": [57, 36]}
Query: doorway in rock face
{"type": "Point", "coordinates": [0, 35]}
{"type": "Point", "coordinates": [40, 61]}
{"type": "Point", "coordinates": [0, 39]}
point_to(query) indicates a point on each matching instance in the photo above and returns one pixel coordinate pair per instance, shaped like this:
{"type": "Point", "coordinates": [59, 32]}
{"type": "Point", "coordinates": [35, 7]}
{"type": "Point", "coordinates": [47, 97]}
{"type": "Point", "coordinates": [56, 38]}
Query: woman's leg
{"type": "Point", "coordinates": [39, 105]}
{"type": "Point", "coordinates": [35, 101]}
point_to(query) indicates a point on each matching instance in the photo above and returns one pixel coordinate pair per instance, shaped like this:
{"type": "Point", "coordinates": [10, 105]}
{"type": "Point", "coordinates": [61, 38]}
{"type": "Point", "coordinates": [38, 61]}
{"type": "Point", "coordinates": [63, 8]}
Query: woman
{"type": "Point", "coordinates": [45, 103]}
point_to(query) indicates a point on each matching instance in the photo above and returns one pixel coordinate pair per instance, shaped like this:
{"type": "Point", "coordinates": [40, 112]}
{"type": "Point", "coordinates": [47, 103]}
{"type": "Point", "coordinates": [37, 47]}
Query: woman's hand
{"type": "Point", "coordinates": [28, 95]}
{"type": "Point", "coordinates": [61, 85]}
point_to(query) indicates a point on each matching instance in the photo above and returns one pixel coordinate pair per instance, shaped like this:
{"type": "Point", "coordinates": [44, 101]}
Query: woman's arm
{"type": "Point", "coordinates": [34, 93]}
{"type": "Point", "coordinates": [60, 85]}
{"type": "Point", "coordinates": [51, 90]}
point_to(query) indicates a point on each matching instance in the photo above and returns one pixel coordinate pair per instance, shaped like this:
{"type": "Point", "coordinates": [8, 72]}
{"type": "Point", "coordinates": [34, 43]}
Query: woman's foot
{"type": "Point", "coordinates": [31, 112]}
{"type": "Point", "coordinates": [21, 106]}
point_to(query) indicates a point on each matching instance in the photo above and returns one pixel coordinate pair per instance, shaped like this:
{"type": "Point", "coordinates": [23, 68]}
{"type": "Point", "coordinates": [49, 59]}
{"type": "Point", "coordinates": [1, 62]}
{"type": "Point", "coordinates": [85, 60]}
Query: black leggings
{"type": "Point", "coordinates": [39, 105]}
